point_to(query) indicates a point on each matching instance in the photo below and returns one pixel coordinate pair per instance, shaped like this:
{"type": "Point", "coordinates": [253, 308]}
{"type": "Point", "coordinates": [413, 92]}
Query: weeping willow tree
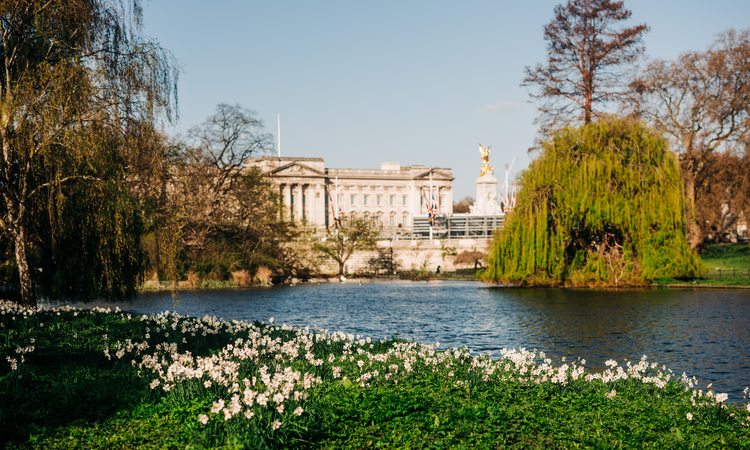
{"type": "Point", "coordinates": [75, 73]}
{"type": "Point", "coordinates": [602, 205]}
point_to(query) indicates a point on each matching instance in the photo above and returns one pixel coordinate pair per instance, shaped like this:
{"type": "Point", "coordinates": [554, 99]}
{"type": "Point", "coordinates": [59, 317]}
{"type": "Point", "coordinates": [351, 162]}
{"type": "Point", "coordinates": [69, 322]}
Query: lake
{"type": "Point", "coordinates": [700, 332]}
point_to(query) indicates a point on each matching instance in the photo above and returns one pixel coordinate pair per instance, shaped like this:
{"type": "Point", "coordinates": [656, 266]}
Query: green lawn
{"type": "Point", "coordinates": [727, 256]}
{"type": "Point", "coordinates": [83, 380]}
{"type": "Point", "coordinates": [727, 264]}
{"type": "Point", "coordinates": [715, 282]}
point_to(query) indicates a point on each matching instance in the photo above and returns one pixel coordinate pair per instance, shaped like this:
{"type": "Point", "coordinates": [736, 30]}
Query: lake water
{"type": "Point", "coordinates": [700, 332]}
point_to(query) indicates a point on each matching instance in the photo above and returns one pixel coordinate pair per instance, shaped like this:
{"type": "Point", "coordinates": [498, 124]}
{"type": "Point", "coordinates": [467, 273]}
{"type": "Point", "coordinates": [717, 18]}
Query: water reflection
{"type": "Point", "coordinates": [702, 333]}
{"type": "Point", "coordinates": [698, 332]}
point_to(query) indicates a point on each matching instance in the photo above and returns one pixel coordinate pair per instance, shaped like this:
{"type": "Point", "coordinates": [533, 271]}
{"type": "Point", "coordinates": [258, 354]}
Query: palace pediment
{"type": "Point", "coordinates": [436, 175]}
{"type": "Point", "coordinates": [295, 169]}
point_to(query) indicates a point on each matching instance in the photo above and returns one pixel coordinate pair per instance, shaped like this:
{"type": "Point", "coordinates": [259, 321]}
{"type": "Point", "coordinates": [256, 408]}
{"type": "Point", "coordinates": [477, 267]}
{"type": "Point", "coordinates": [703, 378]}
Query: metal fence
{"type": "Point", "coordinates": [728, 273]}
{"type": "Point", "coordinates": [456, 226]}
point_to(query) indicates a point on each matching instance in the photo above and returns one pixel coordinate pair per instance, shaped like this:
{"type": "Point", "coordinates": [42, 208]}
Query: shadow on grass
{"type": "Point", "coordinates": [62, 385]}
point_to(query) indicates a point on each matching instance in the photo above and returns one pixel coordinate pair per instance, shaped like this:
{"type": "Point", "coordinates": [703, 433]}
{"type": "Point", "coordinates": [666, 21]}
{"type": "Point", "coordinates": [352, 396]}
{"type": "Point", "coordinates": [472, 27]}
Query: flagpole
{"type": "Point", "coordinates": [338, 206]}
{"type": "Point", "coordinates": [278, 149]}
{"type": "Point", "coordinates": [506, 186]}
{"type": "Point", "coordinates": [430, 200]}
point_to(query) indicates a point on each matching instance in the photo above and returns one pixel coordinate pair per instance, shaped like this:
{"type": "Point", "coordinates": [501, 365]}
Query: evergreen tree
{"type": "Point", "coordinates": [602, 205]}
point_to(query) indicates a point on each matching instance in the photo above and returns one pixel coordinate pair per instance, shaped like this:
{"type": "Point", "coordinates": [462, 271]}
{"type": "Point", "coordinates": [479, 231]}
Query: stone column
{"type": "Point", "coordinates": [305, 204]}
{"type": "Point", "coordinates": [280, 190]}
{"type": "Point", "coordinates": [293, 206]}
{"type": "Point", "coordinates": [319, 204]}
{"type": "Point", "coordinates": [325, 206]}
{"type": "Point", "coordinates": [284, 202]}
{"type": "Point", "coordinates": [414, 208]}
{"type": "Point", "coordinates": [300, 205]}
{"type": "Point", "coordinates": [312, 204]}
{"type": "Point", "coordinates": [288, 204]}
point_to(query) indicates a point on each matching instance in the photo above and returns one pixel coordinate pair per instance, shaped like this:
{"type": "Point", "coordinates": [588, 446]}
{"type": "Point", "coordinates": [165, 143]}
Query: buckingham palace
{"type": "Point", "coordinates": [391, 195]}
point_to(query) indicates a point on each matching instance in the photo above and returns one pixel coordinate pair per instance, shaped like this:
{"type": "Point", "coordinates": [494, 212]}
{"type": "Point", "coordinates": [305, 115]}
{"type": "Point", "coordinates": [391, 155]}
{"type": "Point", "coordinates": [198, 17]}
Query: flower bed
{"type": "Point", "coordinates": [211, 383]}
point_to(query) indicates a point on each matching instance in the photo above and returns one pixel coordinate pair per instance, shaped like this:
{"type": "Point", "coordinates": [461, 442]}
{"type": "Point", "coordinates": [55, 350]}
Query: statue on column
{"type": "Point", "coordinates": [486, 203]}
{"type": "Point", "coordinates": [486, 167]}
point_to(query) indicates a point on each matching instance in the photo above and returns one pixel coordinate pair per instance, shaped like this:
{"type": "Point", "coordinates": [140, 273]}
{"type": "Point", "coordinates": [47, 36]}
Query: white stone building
{"type": "Point", "coordinates": [391, 196]}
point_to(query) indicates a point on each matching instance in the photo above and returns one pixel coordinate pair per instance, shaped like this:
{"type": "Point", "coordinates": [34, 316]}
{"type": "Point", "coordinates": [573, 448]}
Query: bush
{"type": "Point", "coordinates": [263, 275]}
{"type": "Point", "coordinates": [193, 279]}
{"type": "Point", "coordinates": [242, 278]}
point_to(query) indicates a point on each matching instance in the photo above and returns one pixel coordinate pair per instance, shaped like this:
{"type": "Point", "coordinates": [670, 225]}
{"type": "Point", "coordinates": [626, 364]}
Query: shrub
{"type": "Point", "coordinates": [193, 279]}
{"type": "Point", "coordinates": [263, 275]}
{"type": "Point", "coordinates": [242, 278]}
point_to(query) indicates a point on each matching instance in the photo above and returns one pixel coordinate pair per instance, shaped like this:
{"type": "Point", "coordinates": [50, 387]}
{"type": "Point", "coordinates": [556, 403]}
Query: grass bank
{"type": "Point", "coordinates": [101, 379]}
{"type": "Point", "coordinates": [728, 265]}
{"type": "Point", "coordinates": [426, 275]}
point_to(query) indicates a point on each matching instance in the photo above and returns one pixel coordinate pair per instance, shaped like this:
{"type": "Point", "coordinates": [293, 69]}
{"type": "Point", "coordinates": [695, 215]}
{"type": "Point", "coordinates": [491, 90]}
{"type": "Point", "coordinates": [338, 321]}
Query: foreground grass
{"type": "Point", "coordinates": [96, 379]}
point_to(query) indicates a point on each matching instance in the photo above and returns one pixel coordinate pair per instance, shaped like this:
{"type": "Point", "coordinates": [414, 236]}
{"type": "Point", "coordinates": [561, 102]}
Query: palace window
{"type": "Point", "coordinates": [404, 200]}
{"type": "Point", "coordinates": [393, 200]}
{"type": "Point", "coordinates": [393, 220]}
{"type": "Point", "coordinates": [354, 199]}
{"type": "Point", "coordinates": [366, 200]}
{"type": "Point", "coordinates": [380, 200]}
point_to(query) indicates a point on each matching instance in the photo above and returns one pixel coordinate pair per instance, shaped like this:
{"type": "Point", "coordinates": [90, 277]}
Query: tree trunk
{"type": "Point", "coordinates": [343, 257]}
{"type": "Point", "coordinates": [694, 234]}
{"type": "Point", "coordinates": [15, 205]}
{"type": "Point", "coordinates": [24, 274]}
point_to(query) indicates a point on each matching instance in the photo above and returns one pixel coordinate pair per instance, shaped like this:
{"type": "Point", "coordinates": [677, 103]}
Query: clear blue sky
{"type": "Point", "coordinates": [360, 83]}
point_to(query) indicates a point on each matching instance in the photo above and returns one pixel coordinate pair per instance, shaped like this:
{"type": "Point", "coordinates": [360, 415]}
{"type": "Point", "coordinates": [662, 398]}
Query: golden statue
{"type": "Point", "coordinates": [486, 167]}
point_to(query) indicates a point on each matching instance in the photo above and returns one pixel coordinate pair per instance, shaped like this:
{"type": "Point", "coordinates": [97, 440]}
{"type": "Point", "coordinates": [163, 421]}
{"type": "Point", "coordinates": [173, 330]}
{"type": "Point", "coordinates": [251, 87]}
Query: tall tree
{"type": "Point", "coordinates": [219, 215]}
{"type": "Point", "coordinates": [603, 204]}
{"type": "Point", "coordinates": [701, 102]}
{"type": "Point", "coordinates": [212, 162]}
{"type": "Point", "coordinates": [587, 55]}
{"type": "Point", "coordinates": [74, 74]}
{"type": "Point", "coordinates": [722, 195]}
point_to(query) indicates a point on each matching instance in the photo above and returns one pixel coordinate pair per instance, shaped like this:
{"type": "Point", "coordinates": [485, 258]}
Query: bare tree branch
{"type": "Point", "coordinates": [701, 101]}
{"type": "Point", "coordinates": [587, 57]}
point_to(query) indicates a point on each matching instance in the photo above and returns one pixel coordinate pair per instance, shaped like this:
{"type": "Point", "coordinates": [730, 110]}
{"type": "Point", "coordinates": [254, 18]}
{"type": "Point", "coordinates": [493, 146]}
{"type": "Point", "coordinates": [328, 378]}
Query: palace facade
{"type": "Point", "coordinates": [391, 196]}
